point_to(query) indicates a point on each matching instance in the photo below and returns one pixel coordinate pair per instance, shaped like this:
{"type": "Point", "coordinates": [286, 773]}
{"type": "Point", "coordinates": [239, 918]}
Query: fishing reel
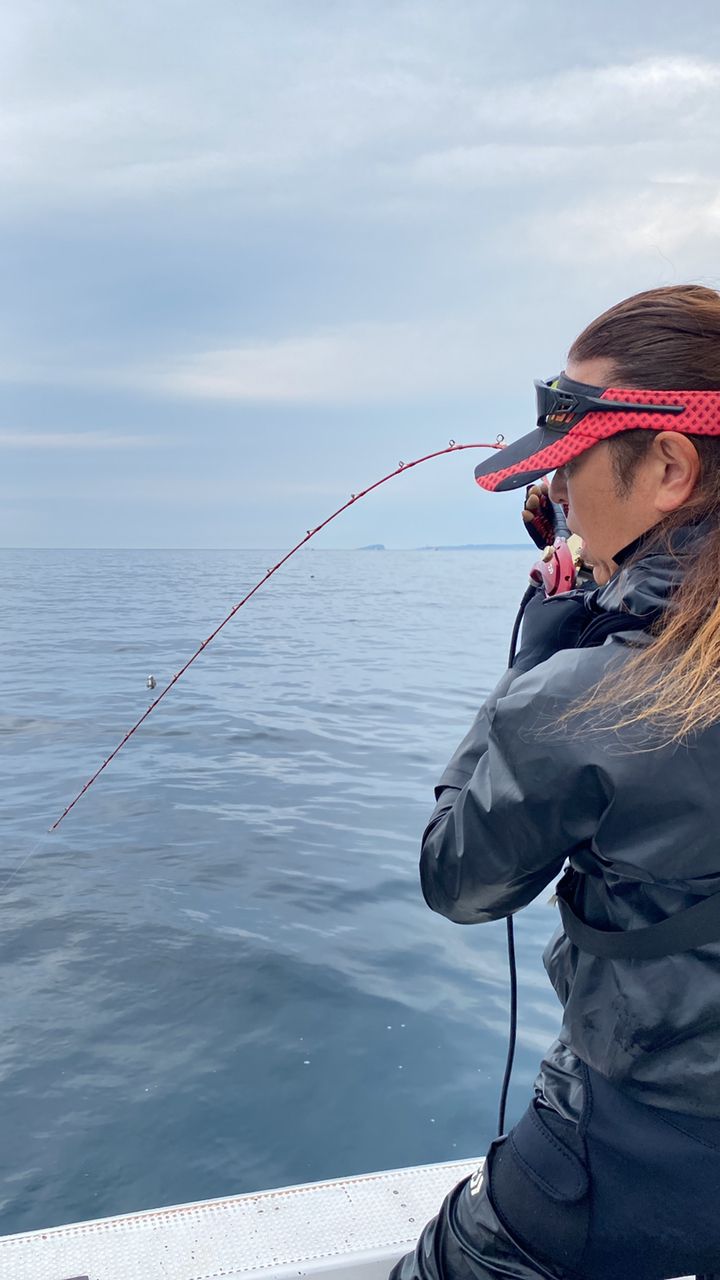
{"type": "Point", "coordinates": [561, 563]}
{"type": "Point", "coordinates": [559, 566]}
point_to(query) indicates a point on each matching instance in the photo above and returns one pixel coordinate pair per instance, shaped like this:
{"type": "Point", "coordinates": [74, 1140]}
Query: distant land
{"type": "Point", "coordinates": [479, 547]}
{"type": "Point", "coordinates": [465, 546]}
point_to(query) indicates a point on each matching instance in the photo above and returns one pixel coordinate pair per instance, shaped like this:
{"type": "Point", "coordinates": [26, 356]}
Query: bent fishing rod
{"type": "Point", "coordinates": [452, 447]}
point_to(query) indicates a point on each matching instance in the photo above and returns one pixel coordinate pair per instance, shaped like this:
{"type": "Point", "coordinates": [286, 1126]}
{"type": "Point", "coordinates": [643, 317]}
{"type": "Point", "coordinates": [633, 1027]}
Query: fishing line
{"type": "Point", "coordinates": [26, 858]}
{"type": "Point", "coordinates": [452, 447]}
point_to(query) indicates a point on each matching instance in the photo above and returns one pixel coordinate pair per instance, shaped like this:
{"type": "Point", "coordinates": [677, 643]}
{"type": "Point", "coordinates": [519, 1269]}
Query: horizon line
{"type": "Point", "coordinates": [455, 546]}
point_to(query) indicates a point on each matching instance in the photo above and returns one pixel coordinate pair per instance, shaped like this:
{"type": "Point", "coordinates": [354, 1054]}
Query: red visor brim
{"type": "Point", "coordinates": [542, 450]}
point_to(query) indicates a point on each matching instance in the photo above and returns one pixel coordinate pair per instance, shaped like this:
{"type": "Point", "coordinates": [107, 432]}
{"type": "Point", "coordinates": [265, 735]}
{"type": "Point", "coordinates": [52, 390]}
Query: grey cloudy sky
{"type": "Point", "coordinates": [254, 252]}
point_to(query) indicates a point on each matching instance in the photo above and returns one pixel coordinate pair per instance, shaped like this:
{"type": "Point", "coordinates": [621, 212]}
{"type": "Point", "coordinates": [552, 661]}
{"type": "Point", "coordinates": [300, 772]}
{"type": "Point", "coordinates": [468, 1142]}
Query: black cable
{"type": "Point", "coordinates": [530, 592]}
{"type": "Point", "coordinates": [512, 1035]}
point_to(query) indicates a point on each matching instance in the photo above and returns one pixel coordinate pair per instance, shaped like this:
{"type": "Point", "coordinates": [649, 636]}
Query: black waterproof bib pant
{"type": "Point", "coordinates": [630, 1192]}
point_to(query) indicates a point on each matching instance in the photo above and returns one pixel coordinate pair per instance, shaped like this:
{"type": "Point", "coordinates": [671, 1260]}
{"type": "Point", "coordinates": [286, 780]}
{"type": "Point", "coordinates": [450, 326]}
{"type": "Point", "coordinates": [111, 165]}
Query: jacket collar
{"type": "Point", "coordinates": [650, 569]}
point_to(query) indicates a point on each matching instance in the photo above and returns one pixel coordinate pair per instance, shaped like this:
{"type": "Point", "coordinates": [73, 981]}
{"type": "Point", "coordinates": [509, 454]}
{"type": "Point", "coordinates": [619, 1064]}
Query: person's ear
{"type": "Point", "coordinates": [677, 470]}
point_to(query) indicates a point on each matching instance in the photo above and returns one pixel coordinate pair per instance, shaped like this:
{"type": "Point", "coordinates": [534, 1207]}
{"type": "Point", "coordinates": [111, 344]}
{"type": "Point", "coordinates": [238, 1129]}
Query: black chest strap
{"type": "Point", "coordinates": [683, 931]}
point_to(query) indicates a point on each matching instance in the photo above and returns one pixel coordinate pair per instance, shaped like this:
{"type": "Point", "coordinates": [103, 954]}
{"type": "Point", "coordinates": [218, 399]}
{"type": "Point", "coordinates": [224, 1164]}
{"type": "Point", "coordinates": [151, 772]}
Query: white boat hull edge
{"type": "Point", "coordinates": [347, 1229]}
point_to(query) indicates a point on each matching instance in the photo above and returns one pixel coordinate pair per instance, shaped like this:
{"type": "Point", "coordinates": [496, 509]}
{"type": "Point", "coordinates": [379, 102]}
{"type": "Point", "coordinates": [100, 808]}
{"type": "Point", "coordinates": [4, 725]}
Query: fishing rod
{"type": "Point", "coordinates": [451, 447]}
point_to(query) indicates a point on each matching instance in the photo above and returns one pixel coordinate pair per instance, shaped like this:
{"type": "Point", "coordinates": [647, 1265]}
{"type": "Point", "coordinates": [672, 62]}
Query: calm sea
{"type": "Point", "coordinates": [220, 975]}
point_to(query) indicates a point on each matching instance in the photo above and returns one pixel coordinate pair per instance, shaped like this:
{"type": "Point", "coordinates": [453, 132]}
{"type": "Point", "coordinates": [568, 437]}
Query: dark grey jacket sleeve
{"type": "Point", "coordinates": [516, 800]}
{"type": "Point", "coordinates": [462, 765]}
{"type": "Point", "coordinates": [548, 626]}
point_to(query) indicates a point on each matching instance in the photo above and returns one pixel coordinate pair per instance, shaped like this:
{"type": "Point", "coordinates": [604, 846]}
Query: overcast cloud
{"type": "Point", "coordinates": [255, 252]}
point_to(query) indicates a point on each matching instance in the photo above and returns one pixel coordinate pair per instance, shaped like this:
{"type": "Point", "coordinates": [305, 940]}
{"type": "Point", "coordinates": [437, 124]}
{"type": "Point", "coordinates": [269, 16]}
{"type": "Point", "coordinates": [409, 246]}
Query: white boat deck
{"type": "Point", "coordinates": [354, 1228]}
{"type": "Point", "coordinates": [348, 1229]}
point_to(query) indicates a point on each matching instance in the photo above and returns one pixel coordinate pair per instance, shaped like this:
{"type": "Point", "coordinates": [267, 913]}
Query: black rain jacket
{"type": "Point", "coordinates": [639, 819]}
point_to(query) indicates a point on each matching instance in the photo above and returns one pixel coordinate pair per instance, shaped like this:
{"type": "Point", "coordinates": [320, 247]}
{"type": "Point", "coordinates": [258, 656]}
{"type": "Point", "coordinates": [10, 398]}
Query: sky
{"type": "Point", "coordinates": [255, 252]}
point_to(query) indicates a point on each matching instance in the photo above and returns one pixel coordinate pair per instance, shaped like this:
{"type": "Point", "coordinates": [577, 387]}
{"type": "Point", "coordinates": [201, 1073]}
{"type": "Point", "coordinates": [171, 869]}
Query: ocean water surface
{"type": "Point", "coordinates": [219, 975]}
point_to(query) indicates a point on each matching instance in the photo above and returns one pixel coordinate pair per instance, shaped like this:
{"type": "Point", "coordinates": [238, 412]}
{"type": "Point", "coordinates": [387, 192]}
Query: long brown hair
{"type": "Point", "coordinates": [668, 339]}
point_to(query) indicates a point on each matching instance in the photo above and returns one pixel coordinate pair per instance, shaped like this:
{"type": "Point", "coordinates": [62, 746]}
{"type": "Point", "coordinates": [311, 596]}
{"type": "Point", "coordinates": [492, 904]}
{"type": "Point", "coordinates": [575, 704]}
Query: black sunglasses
{"type": "Point", "coordinates": [559, 408]}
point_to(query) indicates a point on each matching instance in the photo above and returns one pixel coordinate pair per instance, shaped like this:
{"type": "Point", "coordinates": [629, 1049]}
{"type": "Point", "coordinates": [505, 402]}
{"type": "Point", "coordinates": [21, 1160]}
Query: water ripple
{"type": "Point", "coordinates": [220, 974]}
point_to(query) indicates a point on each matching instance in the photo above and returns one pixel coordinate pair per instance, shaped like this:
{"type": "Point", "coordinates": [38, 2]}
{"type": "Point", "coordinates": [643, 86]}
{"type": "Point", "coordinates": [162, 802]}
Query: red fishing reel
{"type": "Point", "coordinates": [557, 568]}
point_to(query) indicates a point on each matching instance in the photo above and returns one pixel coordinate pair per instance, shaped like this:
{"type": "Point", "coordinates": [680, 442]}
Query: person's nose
{"type": "Point", "coordinates": [557, 489]}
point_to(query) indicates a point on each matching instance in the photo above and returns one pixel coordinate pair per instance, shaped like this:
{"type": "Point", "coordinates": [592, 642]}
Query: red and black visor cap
{"type": "Point", "coordinates": [573, 416]}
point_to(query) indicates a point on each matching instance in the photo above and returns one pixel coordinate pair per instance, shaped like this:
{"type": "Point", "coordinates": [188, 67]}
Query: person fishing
{"type": "Point", "coordinates": [599, 752]}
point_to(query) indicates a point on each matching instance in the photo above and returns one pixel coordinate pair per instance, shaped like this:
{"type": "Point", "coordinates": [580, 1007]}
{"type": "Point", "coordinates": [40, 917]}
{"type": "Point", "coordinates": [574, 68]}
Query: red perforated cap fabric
{"type": "Point", "coordinates": [544, 449]}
